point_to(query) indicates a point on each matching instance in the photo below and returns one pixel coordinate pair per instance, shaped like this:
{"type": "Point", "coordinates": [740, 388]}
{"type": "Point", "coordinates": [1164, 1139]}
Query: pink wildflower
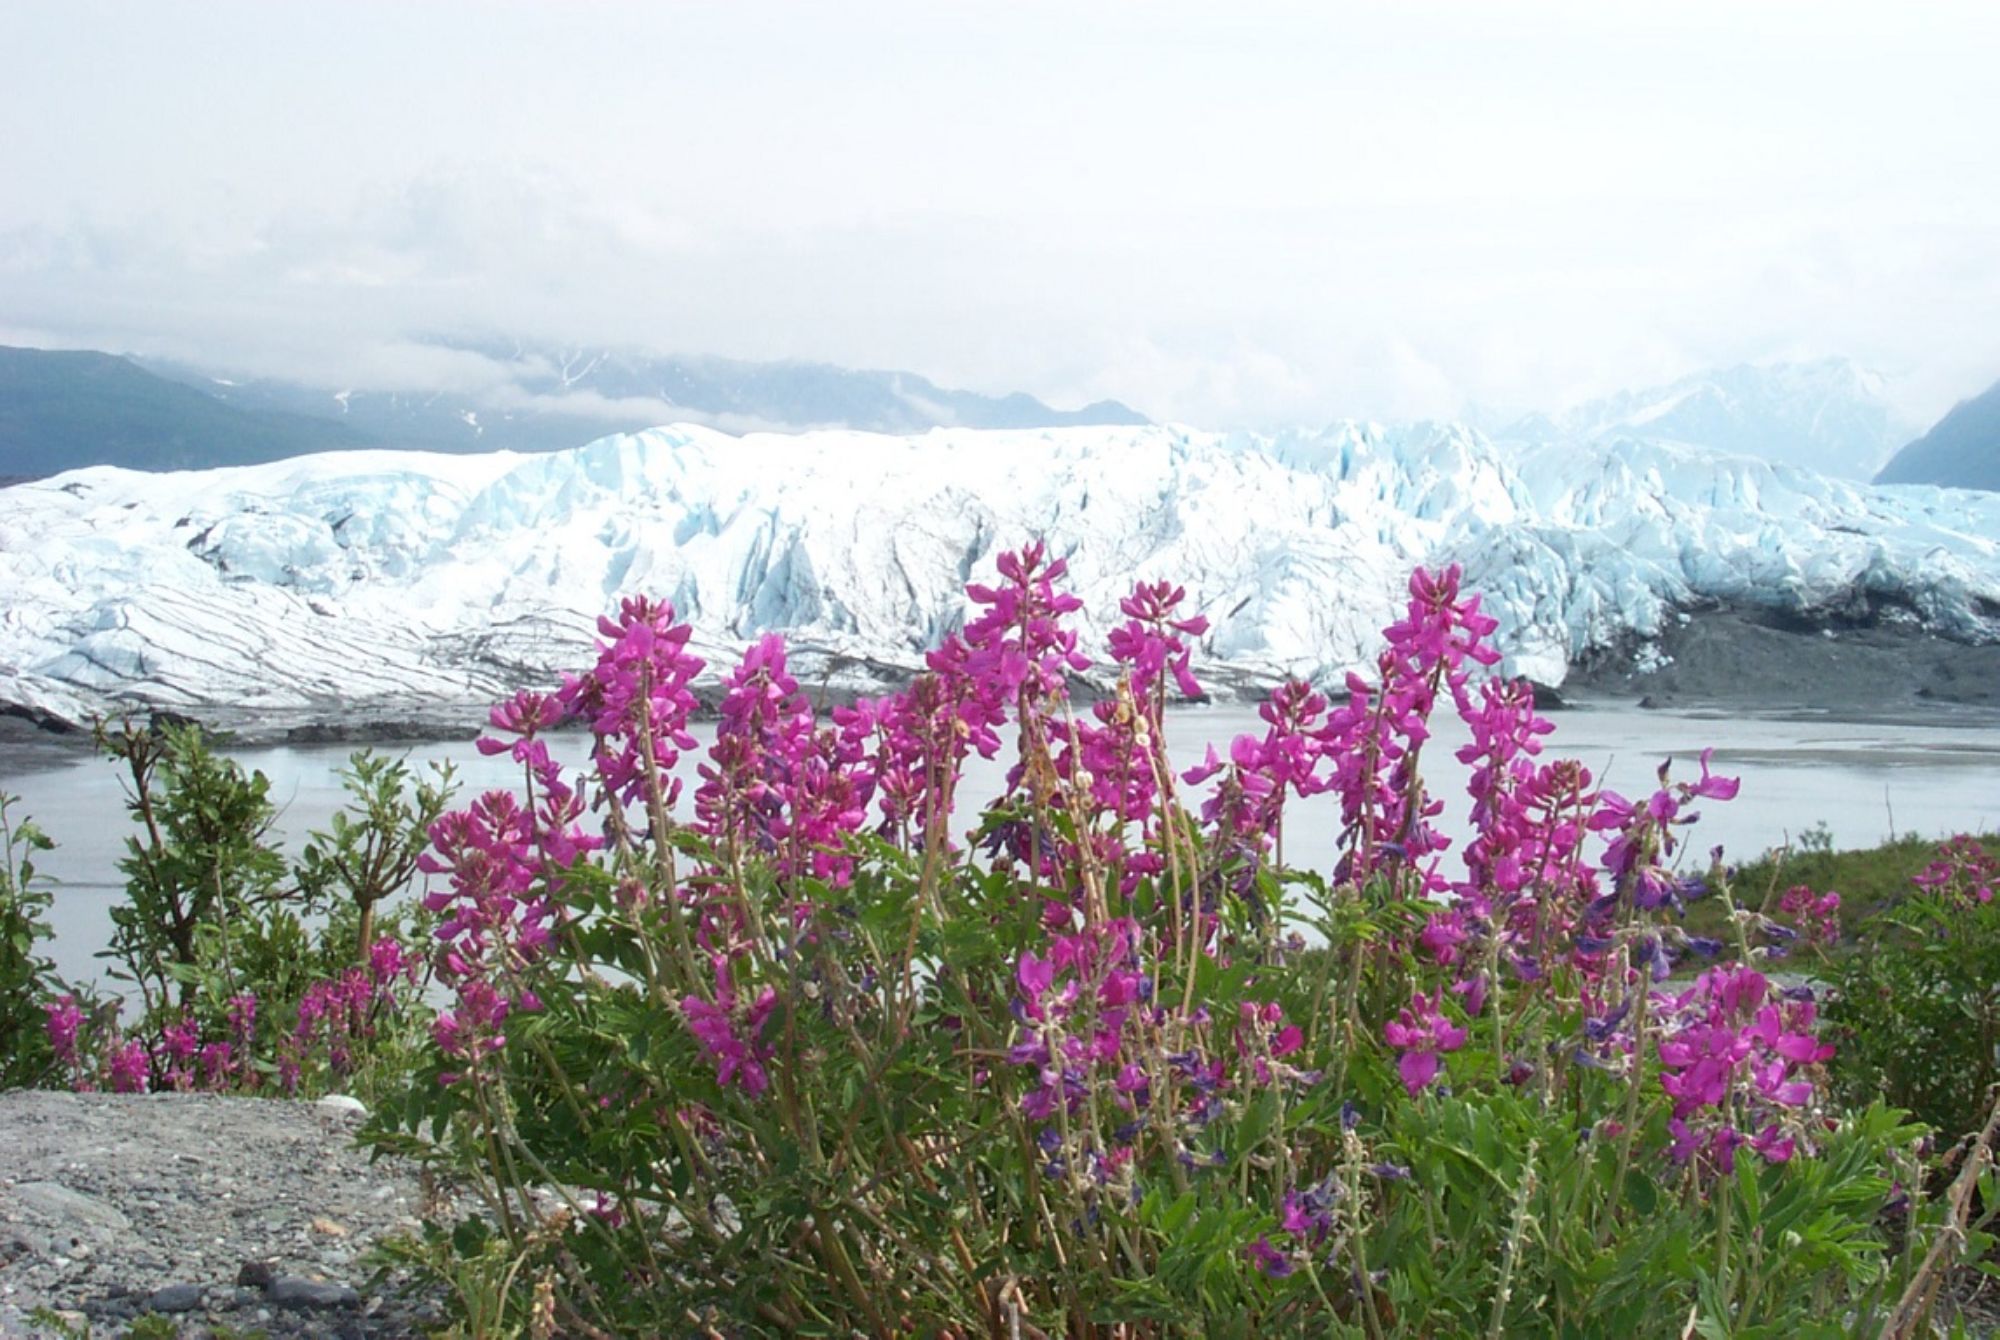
{"type": "Point", "coordinates": [130, 1072]}
{"type": "Point", "coordinates": [65, 1022]}
{"type": "Point", "coordinates": [731, 1035]}
{"type": "Point", "coordinates": [1421, 1032]}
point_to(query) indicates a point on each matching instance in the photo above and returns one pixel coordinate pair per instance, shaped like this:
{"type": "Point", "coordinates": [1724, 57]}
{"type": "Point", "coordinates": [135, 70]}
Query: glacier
{"type": "Point", "coordinates": [377, 582]}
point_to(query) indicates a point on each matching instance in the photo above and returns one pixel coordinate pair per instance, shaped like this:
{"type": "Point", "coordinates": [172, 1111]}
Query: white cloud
{"type": "Point", "coordinates": [1271, 213]}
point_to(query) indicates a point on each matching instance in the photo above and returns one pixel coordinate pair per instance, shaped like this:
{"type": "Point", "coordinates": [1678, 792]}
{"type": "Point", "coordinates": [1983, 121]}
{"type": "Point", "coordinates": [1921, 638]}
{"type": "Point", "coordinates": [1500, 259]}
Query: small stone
{"type": "Point", "coordinates": [329, 1228]}
{"type": "Point", "coordinates": [291, 1291]}
{"type": "Point", "coordinates": [174, 1298]}
{"type": "Point", "coordinates": [256, 1274]}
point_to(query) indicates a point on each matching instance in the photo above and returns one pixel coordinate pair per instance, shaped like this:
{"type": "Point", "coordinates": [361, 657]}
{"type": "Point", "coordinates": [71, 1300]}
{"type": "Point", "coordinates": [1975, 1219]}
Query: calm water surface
{"type": "Point", "coordinates": [1862, 780]}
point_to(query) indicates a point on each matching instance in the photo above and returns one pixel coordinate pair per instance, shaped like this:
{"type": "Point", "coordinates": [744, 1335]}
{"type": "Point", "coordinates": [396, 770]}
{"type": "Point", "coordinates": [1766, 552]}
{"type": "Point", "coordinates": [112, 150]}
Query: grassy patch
{"type": "Point", "coordinates": [1868, 879]}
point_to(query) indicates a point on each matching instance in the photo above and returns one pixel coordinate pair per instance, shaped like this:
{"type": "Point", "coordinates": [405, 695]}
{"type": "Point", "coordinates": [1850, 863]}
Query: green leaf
{"type": "Point", "coordinates": [1176, 1215]}
{"type": "Point", "coordinates": [1260, 1115]}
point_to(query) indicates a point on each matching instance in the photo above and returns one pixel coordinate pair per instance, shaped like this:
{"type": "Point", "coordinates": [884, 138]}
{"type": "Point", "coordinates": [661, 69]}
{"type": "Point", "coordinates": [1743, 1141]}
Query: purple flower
{"type": "Point", "coordinates": [1420, 1031]}
{"type": "Point", "coordinates": [64, 1023]}
{"type": "Point", "coordinates": [1036, 975]}
{"type": "Point", "coordinates": [1963, 872]}
{"type": "Point", "coordinates": [130, 1072]}
{"type": "Point", "coordinates": [731, 1032]}
{"type": "Point", "coordinates": [523, 715]}
{"type": "Point", "coordinates": [1730, 1053]}
{"type": "Point", "coordinates": [637, 698]}
{"type": "Point", "coordinates": [1269, 1259]}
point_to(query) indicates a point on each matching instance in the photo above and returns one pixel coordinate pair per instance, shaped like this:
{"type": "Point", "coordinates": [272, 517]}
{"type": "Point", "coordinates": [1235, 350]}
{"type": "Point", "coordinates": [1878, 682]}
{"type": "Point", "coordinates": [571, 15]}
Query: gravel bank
{"type": "Point", "coordinates": [245, 1213]}
{"type": "Point", "coordinates": [1761, 661]}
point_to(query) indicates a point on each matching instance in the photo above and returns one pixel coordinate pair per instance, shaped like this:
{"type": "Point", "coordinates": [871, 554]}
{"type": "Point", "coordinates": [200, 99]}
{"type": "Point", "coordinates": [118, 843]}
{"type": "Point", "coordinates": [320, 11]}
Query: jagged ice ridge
{"type": "Point", "coordinates": [387, 581]}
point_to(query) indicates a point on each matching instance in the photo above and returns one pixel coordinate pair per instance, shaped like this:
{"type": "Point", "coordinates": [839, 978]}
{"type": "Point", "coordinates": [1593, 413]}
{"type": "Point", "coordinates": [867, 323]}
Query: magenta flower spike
{"type": "Point", "coordinates": [731, 1032]}
{"type": "Point", "coordinates": [1732, 1053]}
{"type": "Point", "coordinates": [1421, 1033]}
{"type": "Point", "coordinates": [637, 699]}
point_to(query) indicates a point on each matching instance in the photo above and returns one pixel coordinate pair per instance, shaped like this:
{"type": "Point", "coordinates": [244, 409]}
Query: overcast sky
{"type": "Point", "coordinates": [1227, 213]}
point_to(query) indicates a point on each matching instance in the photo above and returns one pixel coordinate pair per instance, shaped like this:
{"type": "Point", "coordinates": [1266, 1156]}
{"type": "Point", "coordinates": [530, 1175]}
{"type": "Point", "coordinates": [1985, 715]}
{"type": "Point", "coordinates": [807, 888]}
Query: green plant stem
{"type": "Point", "coordinates": [835, 1255]}
{"type": "Point", "coordinates": [1629, 1136]}
{"type": "Point", "coordinates": [1511, 1253]}
{"type": "Point", "coordinates": [1917, 1296]}
{"type": "Point", "coordinates": [1725, 1189]}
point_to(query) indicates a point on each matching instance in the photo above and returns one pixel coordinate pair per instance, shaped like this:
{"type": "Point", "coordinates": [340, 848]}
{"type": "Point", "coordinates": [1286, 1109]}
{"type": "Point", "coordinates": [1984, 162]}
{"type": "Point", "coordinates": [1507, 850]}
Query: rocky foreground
{"type": "Point", "coordinates": [225, 1215]}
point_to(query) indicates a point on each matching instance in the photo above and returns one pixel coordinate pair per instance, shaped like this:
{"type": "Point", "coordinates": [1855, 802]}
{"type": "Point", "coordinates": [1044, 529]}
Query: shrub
{"type": "Point", "coordinates": [793, 1059]}
{"type": "Point", "coordinates": [1917, 1004]}
{"type": "Point", "coordinates": [201, 879]}
{"type": "Point", "coordinates": [254, 976]}
{"type": "Point", "coordinates": [27, 978]}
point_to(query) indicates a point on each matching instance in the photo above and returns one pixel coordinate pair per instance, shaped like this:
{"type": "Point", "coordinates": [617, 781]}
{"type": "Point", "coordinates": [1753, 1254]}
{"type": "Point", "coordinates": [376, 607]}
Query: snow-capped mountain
{"type": "Point", "coordinates": [379, 581]}
{"type": "Point", "coordinates": [1830, 416]}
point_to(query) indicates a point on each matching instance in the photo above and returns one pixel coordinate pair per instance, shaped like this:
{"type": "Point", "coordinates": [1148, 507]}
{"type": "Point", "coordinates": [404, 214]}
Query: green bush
{"type": "Point", "coordinates": [253, 974]}
{"type": "Point", "coordinates": [203, 884]}
{"type": "Point", "coordinates": [1917, 1000]}
{"type": "Point", "coordinates": [27, 977]}
{"type": "Point", "coordinates": [801, 1064]}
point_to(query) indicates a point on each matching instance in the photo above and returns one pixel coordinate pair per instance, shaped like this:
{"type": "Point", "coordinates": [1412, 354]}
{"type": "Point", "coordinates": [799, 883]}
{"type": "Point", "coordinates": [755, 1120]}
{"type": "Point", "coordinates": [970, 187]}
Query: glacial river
{"type": "Point", "coordinates": [1862, 780]}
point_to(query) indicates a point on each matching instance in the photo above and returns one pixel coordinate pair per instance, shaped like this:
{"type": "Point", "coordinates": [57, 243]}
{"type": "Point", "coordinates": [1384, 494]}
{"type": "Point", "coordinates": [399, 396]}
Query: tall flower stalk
{"type": "Point", "coordinates": [832, 1053]}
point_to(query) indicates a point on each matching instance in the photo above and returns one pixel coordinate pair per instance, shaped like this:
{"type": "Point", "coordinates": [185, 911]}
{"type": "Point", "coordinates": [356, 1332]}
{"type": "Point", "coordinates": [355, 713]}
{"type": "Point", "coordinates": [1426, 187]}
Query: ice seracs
{"type": "Point", "coordinates": [388, 581]}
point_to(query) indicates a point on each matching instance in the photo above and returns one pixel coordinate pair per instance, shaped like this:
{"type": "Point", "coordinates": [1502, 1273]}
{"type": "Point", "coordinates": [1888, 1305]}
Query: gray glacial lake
{"type": "Point", "coordinates": [1861, 779]}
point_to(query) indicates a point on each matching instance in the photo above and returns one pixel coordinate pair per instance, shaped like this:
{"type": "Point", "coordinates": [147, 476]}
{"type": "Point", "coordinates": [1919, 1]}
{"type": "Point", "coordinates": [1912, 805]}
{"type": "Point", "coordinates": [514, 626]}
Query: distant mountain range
{"type": "Point", "coordinates": [1829, 416]}
{"type": "Point", "coordinates": [545, 398]}
{"type": "Point", "coordinates": [1962, 450]}
{"type": "Point", "coordinates": [60, 410]}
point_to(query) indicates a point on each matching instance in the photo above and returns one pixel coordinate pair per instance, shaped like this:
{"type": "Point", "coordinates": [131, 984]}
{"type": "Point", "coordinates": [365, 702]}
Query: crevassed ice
{"type": "Point", "coordinates": [378, 578]}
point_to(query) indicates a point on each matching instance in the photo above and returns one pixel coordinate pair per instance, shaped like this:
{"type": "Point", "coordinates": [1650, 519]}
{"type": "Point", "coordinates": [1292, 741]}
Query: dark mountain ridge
{"type": "Point", "coordinates": [1962, 450]}
{"type": "Point", "coordinates": [545, 398]}
{"type": "Point", "coordinates": [61, 409]}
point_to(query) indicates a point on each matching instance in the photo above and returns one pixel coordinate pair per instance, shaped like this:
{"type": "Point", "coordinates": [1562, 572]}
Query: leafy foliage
{"type": "Point", "coordinates": [370, 855]}
{"type": "Point", "coordinates": [201, 876]}
{"type": "Point", "coordinates": [254, 975]}
{"type": "Point", "coordinates": [27, 978]}
{"type": "Point", "coordinates": [800, 1058]}
{"type": "Point", "coordinates": [1918, 1001]}
{"type": "Point", "coordinates": [804, 1064]}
